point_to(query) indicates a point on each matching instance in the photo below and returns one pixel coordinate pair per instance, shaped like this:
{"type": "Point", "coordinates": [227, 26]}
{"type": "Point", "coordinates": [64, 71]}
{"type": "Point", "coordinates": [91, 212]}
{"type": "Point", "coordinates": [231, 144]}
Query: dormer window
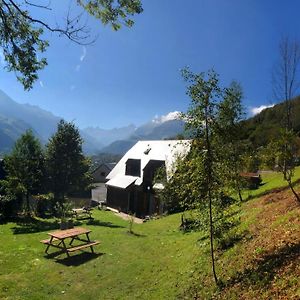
{"type": "Point", "coordinates": [133, 167]}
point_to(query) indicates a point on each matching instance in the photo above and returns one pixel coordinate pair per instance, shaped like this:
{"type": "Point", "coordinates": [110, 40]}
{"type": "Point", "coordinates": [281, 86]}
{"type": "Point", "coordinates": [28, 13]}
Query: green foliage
{"type": "Point", "coordinates": [265, 127]}
{"type": "Point", "coordinates": [211, 171]}
{"type": "Point", "coordinates": [229, 133]}
{"type": "Point", "coordinates": [25, 168]}
{"type": "Point", "coordinates": [116, 13]}
{"type": "Point", "coordinates": [10, 204]}
{"type": "Point", "coordinates": [63, 210]}
{"type": "Point", "coordinates": [282, 155]}
{"type": "Point", "coordinates": [21, 42]}
{"type": "Point", "coordinates": [21, 33]}
{"type": "Point", "coordinates": [44, 205]}
{"type": "Point", "coordinates": [68, 169]}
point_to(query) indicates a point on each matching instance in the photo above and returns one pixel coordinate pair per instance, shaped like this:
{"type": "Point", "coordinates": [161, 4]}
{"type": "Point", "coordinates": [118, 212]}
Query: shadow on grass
{"type": "Point", "coordinates": [104, 224]}
{"type": "Point", "coordinates": [228, 241]}
{"type": "Point", "coordinates": [33, 225]}
{"type": "Point", "coordinates": [132, 233]}
{"type": "Point", "coordinates": [75, 260]}
{"type": "Point", "coordinates": [264, 269]}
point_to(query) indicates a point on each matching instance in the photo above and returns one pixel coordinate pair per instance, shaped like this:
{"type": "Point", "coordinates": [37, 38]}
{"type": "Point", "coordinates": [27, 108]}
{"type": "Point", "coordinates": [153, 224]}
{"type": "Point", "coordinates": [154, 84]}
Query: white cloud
{"type": "Point", "coordinates": [174, 115]}
{"type": "Point", "coordinates": [83, 55]}
{"type": "Point", "coordinates": [256, 110]}
{"type": "Point", "coordinates": [41, 83]}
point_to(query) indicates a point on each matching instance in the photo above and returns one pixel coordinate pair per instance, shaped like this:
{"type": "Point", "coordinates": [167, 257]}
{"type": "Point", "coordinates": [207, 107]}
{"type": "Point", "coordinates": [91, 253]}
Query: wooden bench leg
{"type": "Point", "coordinates": [47, 248]}
{"type": "Point", "coordinates": [50, 241]}
{"type": "Point", "coordinates": [65, 248]}
{"type": "Point", "coordinates": [88, 238]}
{"type": "Point", "coordinates": [72, 241]}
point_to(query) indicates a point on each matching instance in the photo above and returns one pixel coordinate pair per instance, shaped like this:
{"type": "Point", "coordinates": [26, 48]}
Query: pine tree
{"type": "Point", "coordinates": [67, 167]}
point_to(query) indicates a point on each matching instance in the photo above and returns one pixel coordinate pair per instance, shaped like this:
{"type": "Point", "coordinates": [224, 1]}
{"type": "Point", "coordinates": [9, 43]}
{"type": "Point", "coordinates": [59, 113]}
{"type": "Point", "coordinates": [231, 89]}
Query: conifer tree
{"type": "Point", "coordinates": [67, 167]}
{"type": "Point", "coordinates": [25, 168]}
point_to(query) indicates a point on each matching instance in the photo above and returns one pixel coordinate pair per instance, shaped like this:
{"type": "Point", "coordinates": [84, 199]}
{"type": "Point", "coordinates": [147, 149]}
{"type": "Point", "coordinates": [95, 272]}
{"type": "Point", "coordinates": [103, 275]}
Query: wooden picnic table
{"type": "Point", "coordinates": [63, 240]}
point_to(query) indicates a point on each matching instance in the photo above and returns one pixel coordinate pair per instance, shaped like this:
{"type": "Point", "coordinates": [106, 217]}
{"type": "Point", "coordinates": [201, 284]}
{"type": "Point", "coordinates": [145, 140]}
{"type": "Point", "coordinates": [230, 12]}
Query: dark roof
{"type": "Point", "coordinates": [109, 166]}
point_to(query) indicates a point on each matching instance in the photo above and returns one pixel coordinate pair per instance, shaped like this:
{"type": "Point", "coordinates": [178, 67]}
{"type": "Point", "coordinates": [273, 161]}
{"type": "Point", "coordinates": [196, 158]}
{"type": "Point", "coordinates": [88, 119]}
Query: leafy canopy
{"type": "Point", "coordinates": [21, 33]}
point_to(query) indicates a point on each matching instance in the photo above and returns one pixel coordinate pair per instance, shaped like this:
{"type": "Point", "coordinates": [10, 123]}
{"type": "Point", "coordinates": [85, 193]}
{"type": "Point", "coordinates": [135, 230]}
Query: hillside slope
{"type": "Point", "coordinates": [42, 121]}
{"type": "Point", "coordinates": [262, 257]}
{"type": "Point", "coordinates": [265, 126]}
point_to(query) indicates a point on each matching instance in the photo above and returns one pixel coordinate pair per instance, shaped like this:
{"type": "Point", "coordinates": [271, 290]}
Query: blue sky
{"type": "Point", "coordinates": [132, 75]}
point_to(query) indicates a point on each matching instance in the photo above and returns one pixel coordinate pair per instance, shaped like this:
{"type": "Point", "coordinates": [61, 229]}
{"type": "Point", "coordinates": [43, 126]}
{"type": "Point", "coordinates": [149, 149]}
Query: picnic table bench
{"type": "Point", "coordinates": [58, 240]}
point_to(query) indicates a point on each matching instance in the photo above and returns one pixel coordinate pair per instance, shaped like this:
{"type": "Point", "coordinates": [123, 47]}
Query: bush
{"type": "Point", "coordinates": [10, 205]}
{"type": "Point", "coordinates": [44, 205]}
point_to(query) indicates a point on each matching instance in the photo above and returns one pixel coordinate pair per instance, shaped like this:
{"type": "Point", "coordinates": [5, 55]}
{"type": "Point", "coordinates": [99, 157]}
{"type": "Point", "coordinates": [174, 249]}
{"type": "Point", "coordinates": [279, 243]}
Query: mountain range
{"type": "Point", "coordinates": [16, 118]}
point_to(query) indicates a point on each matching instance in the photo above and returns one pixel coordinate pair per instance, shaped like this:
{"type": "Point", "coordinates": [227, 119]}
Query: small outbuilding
{"type": "Point", "coordinates": [130, 183]}
{"type": "Point", "coordinates": [99, 178]}
{"type": "Point", "coordinates": [100, 173]}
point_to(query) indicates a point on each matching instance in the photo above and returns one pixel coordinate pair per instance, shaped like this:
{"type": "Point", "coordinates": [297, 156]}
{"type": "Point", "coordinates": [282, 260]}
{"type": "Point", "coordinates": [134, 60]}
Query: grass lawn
{"type": "Point", "coordinates": [270, 181]}
{"type": "Point", "coordinates": [159, 261]}
{"type": "Point", "coordinates": [152, 264]}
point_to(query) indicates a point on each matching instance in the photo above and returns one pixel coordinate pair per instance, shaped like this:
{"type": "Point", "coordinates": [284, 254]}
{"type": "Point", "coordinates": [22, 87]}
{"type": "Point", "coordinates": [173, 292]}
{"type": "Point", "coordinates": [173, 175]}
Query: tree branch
{"type": "Point", "coordinates": [71, 31]}
{"type": "Point", "coordinates": [39, 6]}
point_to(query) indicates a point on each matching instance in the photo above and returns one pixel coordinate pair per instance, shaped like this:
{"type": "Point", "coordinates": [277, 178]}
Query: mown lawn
{"type": "Point", "coordinates": [159, 261]}
{"type": "Point", "coordinates": [153, 264]}
{"type": "Point", "coordinates": [270, 181]}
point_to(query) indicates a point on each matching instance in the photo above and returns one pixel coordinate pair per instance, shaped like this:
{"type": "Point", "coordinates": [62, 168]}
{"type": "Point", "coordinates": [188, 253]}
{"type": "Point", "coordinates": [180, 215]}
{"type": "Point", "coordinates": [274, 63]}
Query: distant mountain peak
{"type": "Point", "coordinates": [16, 118]}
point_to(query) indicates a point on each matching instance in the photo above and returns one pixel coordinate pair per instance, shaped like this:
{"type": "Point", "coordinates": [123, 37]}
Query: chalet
{"type": "Point", "coordinates": [130, 183]}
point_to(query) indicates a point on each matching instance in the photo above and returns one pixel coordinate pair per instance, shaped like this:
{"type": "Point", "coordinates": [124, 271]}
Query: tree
{"type": "Point", "coordinates": [285, 76]}
{"type": "Point", "coordinates": [21, 33]}
{"type": "Point", "coordinates": [201, 116]}
{"type": "Point", "coordinates": [67, 168]}
{"type": "Point", "coordinates": [25, 168]}
{"type": "Point", "coordinates": [286, 83]}
{"type": "Point", "coordinates": [212, 118]}
{"type": "Point", "coordinates": [230, 115]}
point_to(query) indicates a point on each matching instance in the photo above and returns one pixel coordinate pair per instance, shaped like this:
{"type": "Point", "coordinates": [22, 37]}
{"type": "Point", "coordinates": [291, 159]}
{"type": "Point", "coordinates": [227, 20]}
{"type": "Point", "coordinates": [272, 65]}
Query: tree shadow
{"type": "Point", "coordinates": [132, 233]}
{"type": "Point", "coordinates": [33, 225]}
{"type": "Point", "coordinates": [230, 240]}
{"type": "Point", "coordinates": [105, 224]}
{"type": "Point", "coordinates": [264, 268]}
{"type": "Point", "coordinates": [75, 260]}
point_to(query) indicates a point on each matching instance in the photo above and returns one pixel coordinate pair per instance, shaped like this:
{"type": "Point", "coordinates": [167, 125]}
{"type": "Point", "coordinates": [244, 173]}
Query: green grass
{"type": "Point", "coordinates": [158, 262]}
{"type": "Point", "coordinates": [270, 181]}
{"type": "Point", "coordinates": [153, 264]}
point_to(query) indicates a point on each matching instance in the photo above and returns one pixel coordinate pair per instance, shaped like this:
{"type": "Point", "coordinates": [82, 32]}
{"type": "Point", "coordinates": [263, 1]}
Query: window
{"type": "Point", "coordinates": [133, 167]}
